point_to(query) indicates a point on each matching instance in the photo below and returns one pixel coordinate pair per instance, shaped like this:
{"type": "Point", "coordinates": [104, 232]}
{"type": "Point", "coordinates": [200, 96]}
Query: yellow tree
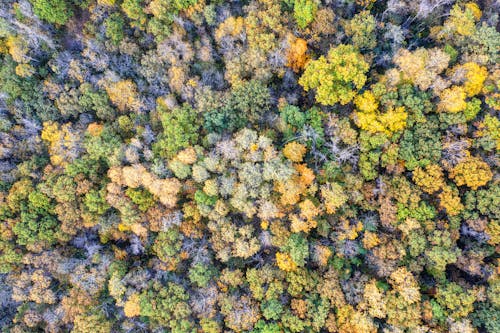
{"type": "Point", "coordinates": [337, 77]}
{"type": "Point", "coordinates": [333, 197]}
{"type": "Point", "coordinates": [124, 95]}
{"type": "Point", "coordinates": [473, 172]}
{"type": "Point", "coordinates": [297, 54]}
{"type": "Point", "coordinates": [430, 178]}
{"type": "Point", "coordinates": [294, 151]}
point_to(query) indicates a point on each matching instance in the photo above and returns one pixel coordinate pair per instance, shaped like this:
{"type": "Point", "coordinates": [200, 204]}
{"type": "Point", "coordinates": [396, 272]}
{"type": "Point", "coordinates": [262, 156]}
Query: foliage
{"type": "Point", "coordinates": [53, 11]}
{"type": "Point", "coordinates": [249, 166]}
{"type": "Point", "coordinates": [336, 77]}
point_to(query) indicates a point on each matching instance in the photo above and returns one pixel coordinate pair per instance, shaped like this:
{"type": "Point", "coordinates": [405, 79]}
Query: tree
{"type": "Point", "coordinates": [180, 130]}
{"type": "Point", "coordinates": [114, 28]}
{"type": "Point", "coordinates": [165, 306]}
{"type": "Point", "coordinates": [430, 178]}
{"type": "Point", "coordinates": [53, 11]}
{"type": "Point", "coordinates": [452, 100]}
{"type": "Point", "coordinates": [294, 151]}
{"type": "Point", "coordinates": [473, 172]}
{"type": "Point", "coordinates": [457, 302]}
{"type": "Point", "coordinates": [247, 102]}
{"type": "Point", "coordinates": [421, 66]}
{"type": "Point", "coordinates": [361, 30]}
{"type": "Point", "coordinates": [368, 118]}
{"type": "Point", "coordinates": [304, 12]}
{"type": "Point", "coordinates": [124, 95]}
{"type": "Point", "coordinates": [334, 197]}
{"type": "Point", "coordinates": [336, 78]}
{"type": "Point", "coordinates": [296, 55]}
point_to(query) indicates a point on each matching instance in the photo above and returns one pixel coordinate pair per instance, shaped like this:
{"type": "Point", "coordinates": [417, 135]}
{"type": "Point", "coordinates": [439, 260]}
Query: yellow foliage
{"type": "Point", "coordinates": [306, 175]}
{"type": "Point", "coordinates": [375, 300]}
{"type": "Point", "coordinates": [293, 188]}
{"type": "Point", "coordinates": [132, 307]}
{"type": "Point", "coordinates": [301, 225]}
{"type": "Point", "coordinates": [51, 132]}
{"type": "Point", "coordinates": [392, 121]}
{"type": "Point", "coordinates": [370, 240]}
{"type": "Point", "coordinates": [296, 55]}
{"type": "Point", "coordinates": [493, 231]}
{"type": "Point", "coordinates": [290, 191]}
{"type": "Point", "coordinates": [333, 197]}
{"type": "Point", "coordinates": [18, 48]}
{"type": "Point", "coordinates": [452, 100]}
{"type": "Point", "coordinates": [60, 141]}
{"type": "Point", "coordinates": [106, 2]}
{"type": "Point", "coordinates": [232, 26]}
{"type": "Point", "coordinates": [308, 209]}
{"type": "Point", "coordinates": [124, 95]}
{"type": "Point", "coordinates": [264, 225]}
{"type": "Point", "coordinates": [366, 102]}
{"type": "Point", "coordinates": [430, 179]}
{"type": "Point", "coordinates": [474, 8]}
{"type": "Point", "coordinates": [95, 129]}
{"type": "Point", "coordinates": [351, 321]}
{"type": "Point", "coordinates": [450, 200]}
{"type": "Point", "coordinates": [294, 151]}
{"type": "Point", "coordinates": [285, 262]}
{"type": "Point", "coordinates": [475, 76]}
{"type": "Point", "coordinates": [24, 70]}
{"type": "Point", "coordinates": [405, 284]}
{"type": "Point", "coordinates": [473, 172]}
{"type": "Point", "coordinates": [421, 66]}
{"type": "Point", "coordinates": [463, 21]}
{"type": "Point", "coordinates": [349, 231]}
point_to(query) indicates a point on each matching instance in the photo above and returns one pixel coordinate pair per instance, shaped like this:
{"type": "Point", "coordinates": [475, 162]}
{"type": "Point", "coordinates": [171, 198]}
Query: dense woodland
{"type": "Point", "coordinates": [265, 166]}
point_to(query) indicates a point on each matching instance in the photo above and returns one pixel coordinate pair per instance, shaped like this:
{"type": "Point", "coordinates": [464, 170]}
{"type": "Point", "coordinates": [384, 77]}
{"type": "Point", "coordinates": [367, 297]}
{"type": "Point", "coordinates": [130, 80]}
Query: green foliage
{"type": "Point", "coordinates": [361, 30]}
{"type": "Point", "coordinates": [167, 244]}
{"type": "Point", "coordinates": [421, 144]}
{"type": "Point", "coordinates": [487, 316]}
{"type": "Point", "coordinates": [35, 226]}
{"type": "Point", "coordinates": [114, 28]}
{"type": "Point", "coordinates": [298, 248]}
{"type": "Point", "coordinates": [95, 101]}
{"type": "Point", "coordinates": [180, 130]}
{"type": "Point", "coordinates": [103, 147]}
{"type": "Point", "coordinates": [9, 257]}
{"type": "Point", "coordinates": [95, 201]}
{"type": "Point", "coordinates": [202, 198]}
{"type": "Point", "coordinates": [166, 306]}
{"type": "Point", "coordinates": [200, 275]}
{"type": "Point", "coordinates": [271, 309]}
{"type": "Point", "coordinates": [246, 102]}
{"type": "Point", "coordinates": [53, 11]}
{"type": "Point", "coordinates": [141, 198]}
{"type": "Point", "coordinates": [304, 12]}
{"type": "Point", "coordinates": [457, 302]}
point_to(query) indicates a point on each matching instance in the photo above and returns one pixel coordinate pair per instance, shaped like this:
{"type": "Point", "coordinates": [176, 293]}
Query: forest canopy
{"type": "Point", "coordinates": [257, 166]}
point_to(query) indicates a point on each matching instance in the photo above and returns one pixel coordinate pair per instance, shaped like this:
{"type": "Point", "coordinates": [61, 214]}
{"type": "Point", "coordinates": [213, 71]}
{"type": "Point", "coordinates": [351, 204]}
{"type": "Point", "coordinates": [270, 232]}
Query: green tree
{"type": "Point", "coordinates": [180, 130]}
{"type": "Point", "coordinates": [246, 102]}
{"type": "Point", "coordinates": [200, 275]}
{"type": "Point", "coordinates": [361, 29]}
{"type": "Point", "coordinates": [304, 12]}
{"type": "Point", "coordinates": [114, 28]}
{"type": "Point", "coordinates": [53, 11]}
